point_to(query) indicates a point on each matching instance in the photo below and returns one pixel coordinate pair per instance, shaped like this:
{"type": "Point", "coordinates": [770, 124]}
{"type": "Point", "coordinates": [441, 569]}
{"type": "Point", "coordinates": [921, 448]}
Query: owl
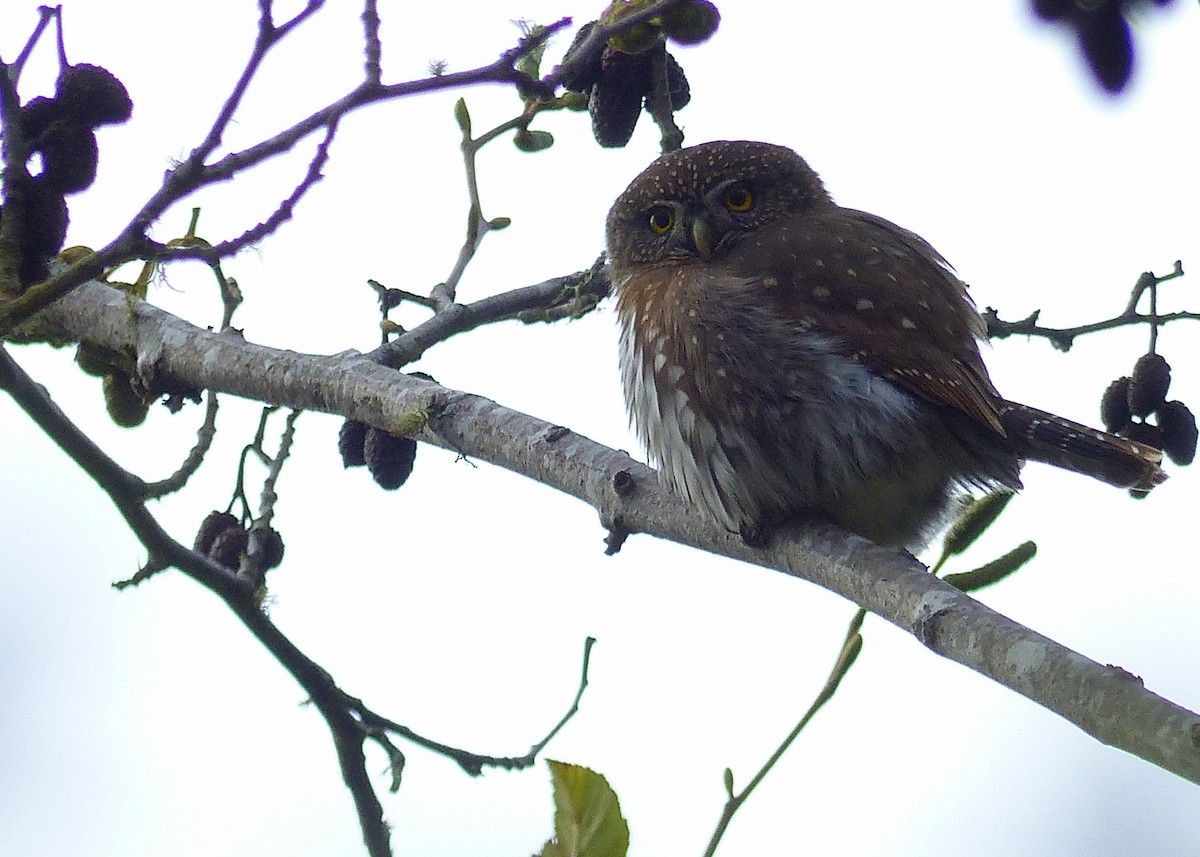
{"type": "Point", "coordinates": [783, 357]}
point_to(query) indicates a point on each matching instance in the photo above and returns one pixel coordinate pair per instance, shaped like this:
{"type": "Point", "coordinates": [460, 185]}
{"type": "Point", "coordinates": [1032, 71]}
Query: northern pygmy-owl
{"type": "Point", "coordinates": [782, 356]}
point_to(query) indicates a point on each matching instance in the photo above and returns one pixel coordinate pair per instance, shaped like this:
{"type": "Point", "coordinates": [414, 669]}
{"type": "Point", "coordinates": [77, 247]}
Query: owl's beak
{"type": "Point", "coordinates": [702, 237]}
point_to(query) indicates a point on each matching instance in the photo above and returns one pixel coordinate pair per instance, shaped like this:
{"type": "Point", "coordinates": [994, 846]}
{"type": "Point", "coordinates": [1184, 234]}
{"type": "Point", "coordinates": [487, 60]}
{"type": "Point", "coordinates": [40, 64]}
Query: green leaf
{"type": "Point", "coordinates": [994, 571]}
{"type": "Point", "coordinates": [587, 815]}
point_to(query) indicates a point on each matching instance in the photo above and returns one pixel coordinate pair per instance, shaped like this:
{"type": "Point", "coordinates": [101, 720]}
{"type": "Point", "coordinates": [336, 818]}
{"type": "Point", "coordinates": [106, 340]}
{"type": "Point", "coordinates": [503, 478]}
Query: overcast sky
{"type": "Point", "coordinates": [148, 722]}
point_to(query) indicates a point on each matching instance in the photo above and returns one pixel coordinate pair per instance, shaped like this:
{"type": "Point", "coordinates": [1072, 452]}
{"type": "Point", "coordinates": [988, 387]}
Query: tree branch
{"type": "Point", "coordinates": [1063, 338]}
{"type": "Point", "coordinates": [1105, 701]}
{"type": "Point", "coordinates": [350, 721]}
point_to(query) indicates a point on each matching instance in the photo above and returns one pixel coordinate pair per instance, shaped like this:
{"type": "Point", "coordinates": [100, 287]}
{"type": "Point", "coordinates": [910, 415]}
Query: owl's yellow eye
{"type": "Point", "coordinates": [738, 198]}
{"type": "Point", "coordinates": [661, 219]}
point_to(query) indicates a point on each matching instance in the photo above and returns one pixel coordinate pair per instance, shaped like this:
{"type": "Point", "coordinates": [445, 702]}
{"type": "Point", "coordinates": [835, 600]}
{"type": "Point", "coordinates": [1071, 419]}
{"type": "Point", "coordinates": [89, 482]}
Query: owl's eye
{"type": "Point", "coordinates": [661, 219]}
{"type": "Point", "coordinates": [738, 198]}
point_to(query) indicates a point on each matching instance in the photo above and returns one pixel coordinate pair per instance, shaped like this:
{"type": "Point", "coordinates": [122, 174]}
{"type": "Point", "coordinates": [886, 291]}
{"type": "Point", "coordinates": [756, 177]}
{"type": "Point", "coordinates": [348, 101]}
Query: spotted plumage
{"type": "Point", "coordinates": [782, 355]}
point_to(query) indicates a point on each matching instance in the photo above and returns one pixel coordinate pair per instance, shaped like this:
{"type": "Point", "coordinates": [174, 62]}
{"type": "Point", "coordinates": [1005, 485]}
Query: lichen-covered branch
{"type": "Point", "coordinates": [1106, 702]}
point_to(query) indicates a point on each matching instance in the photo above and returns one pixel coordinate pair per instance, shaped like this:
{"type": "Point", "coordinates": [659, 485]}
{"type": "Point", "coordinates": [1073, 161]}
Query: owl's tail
{"type": "Point", "coordinates": [1042, 436]}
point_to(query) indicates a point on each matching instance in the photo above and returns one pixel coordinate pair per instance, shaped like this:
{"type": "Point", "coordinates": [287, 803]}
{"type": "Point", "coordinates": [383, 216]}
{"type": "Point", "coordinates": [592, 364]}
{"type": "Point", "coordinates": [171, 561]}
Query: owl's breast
{"type": "Point", "coordinates": [669, 389]}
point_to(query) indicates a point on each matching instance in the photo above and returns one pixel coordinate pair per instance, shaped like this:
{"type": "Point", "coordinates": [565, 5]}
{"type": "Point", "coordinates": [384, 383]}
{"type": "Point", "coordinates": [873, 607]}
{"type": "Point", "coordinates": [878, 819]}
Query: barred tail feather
{"type": "Point", "coordinates": [1042, 436]}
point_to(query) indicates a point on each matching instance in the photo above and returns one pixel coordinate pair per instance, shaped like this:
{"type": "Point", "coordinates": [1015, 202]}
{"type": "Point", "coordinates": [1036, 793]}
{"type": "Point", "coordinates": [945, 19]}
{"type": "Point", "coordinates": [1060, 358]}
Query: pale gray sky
{"type": "Point", "coordinates": [149, 723]}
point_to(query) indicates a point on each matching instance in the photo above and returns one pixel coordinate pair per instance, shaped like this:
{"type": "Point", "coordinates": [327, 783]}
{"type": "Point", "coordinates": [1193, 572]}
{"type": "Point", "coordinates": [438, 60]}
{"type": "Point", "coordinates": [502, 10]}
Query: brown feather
{"type": "Point", "coordinates": [887, 295]}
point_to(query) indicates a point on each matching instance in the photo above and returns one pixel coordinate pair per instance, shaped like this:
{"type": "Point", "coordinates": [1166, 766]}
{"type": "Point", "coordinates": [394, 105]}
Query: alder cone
{"type": "Point", "coordinates": [93, 95]}
{"type": "Point", "coordinates": [213, 525]}
{"type": "Point", "coordinates": [1178, 426]}
{"type": "Point", "coordinates": [351, 438]}
{"type": "Point", "coordinates": [1114, 405]}
{"type": "Point", "coordinates": [389, 458]}
{"type": "Point", "coordinates": [1149, 384]}
{"type": "Point", "coordinates": [229, 545]}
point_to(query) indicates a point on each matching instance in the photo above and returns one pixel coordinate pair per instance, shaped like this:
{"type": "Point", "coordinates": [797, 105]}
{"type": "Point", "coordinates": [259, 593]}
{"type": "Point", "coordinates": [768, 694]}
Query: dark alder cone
{"type": "Point", "coordinates": [36, 116]}
{"type": "Point", "coordinates": [69, 156]}
{"type": "Point", "coordinates": [1146, 433]}
{"type": "Point", "coordinates": [579, 73]}
{"type": "Point", "coordinates": [1178, 426]}
{"type": "Point", "coordinates": [270, 543]}
{"type": "Point", "coordinates": [229, 545]}
{"type": "Point", "coordinates": [1149, 384]}
{"type": "Point", "coordinates": [212, 526]}
{"type": "Point", "coordinates": [1104, 37]}
{"type": "Point", "coordinates": [45, 227]}
{"type": "Point", "coordinates": [1114, 405]}
{"type": "Point", "coordinates": [93, 95]}
{"type": "Point", "coordinates": [616, 100]}
{"type": "Point", "coordinates": [351, 438]}
{"type": "Point", "coordinates": [389, 458]}
{"type": "Point", "coordinates": [678, 89]}
{"type": "Point", "coordinates": [32, 271]}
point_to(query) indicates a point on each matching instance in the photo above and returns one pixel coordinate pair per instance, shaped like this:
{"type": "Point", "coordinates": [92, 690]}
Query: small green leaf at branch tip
{"type": "Point", "coordinates": [587, 815]}
{"type": "Point", "coordinates": [498, 223]}
{"type": "Point", "coordinates": [729, 782]}
{"type": "Point", "coordinates": [533, 141]}
{"type": "Point", "coordinates": [974, 520]}
{"type": "Point", "coordinates": [463, 117]}
{"type": "Point", "coordinates": [994, 571]}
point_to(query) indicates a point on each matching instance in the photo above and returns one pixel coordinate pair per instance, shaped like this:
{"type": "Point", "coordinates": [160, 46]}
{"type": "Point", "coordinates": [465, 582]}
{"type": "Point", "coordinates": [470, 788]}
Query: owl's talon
{"type": "Point", "coordinates": [756, 535]}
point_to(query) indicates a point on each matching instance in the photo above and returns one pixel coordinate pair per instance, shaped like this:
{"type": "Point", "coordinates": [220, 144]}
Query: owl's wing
{"type": "Point", "coordinates": [890, 298]}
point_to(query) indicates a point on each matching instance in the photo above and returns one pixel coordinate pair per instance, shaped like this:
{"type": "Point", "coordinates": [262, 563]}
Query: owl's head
{"type": "Point", "coordinates": [698, 201]}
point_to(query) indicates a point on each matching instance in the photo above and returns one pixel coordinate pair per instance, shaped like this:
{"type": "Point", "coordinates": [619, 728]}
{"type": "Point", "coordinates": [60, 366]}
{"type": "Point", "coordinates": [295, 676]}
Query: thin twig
{"type": "Point", "coordinates": [194, 173]}
{"type": "Point", "coordinates": [849, 652]}
{"type": "Point", "coordinates": [575, 293]}
{"type": "Point", "coordinates": [658, 102]}
{"type": "Point", "coordinates": [1063, 338]}
{"type": "Point", "coordinates": [45, 14]}
{"type": "Point", "coordinates": [474, 763]}
{"type": "Point", "coordinates": [195, 457]}
{"type": "Point", "coordinates": [349, 721]}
